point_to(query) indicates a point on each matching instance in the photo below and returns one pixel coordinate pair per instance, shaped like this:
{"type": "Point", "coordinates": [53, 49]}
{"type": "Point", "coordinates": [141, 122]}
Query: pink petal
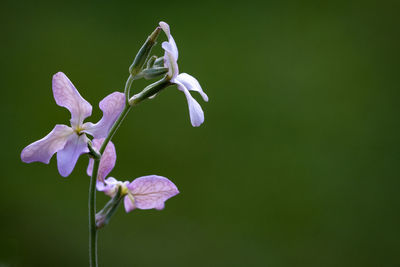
{"type": "Point", "coordinates": [129, 205]}
{"type": "Point", "coordinates": [67, 157]}
{"type": "Point", "coordinates": [112, 106]}
{"type": "Point", "coordinates": [107, 161]}
{"type": "Point", "coordinates": [67, 96]}
{"type": "Point", "coordinates": [43, 149]}
{"type": "Point", "coordinates": [150, 192]}
{"type": "Point", "coordinates": [195, 111]}
{"type": "Point", "coordinates": [191, 84]}
{"type": "Point", "coordinates": [109, 186]}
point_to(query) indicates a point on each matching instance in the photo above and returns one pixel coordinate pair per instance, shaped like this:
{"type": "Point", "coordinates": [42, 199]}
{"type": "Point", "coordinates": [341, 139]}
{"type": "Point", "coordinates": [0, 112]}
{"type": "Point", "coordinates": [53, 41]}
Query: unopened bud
{"type": "Point", "coordinates": [149, 91]}
{"type": "Point", "coordinates": [159, 62]}
{"type": "Point", "coordinates": [153, 73]}
{"type": "Point", "coordinates": [151, 61]}
{"type": "Point", "coordinates": [144, 53]}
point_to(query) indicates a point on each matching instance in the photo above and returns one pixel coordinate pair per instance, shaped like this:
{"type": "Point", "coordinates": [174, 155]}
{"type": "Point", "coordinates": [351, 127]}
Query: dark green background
{"type": "Point", "coordinates": [297, 163]}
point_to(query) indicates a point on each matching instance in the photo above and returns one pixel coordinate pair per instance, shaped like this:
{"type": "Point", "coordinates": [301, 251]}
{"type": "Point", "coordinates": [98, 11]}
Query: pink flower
{"type": "Point", "coordinates": [147, 192]}
{"type": "Point", "coordinates": [70, 142]}
{"type": "Point", "coordinates": [184, 81]}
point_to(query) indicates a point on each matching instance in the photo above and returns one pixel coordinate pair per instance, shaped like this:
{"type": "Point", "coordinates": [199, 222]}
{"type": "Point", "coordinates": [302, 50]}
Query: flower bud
{"type": "Point", "coordinates": [151, 61]}
{"type": "Point", "coordinates": [149, 91]}
{"type": "Point", "coordinates": [159, 62]}
{"type": "Point", "coordinates": [153, 73]}
{"type": "Point", "coordinates": [144, 52]}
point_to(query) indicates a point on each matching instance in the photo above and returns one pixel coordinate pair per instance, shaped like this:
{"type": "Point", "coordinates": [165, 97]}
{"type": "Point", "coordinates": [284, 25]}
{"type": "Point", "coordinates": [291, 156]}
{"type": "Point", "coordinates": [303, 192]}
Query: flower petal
{"type": "Point", "coordinates": [109, 186]}
{"type": "Point", "coordinates": [112, 106]}
{"type": "Point", "coordinates": [173, 47]}
{"type": "Point", "coordinates": [191, 84]}
{"type": "Point", "coordinates": [67, 96]}
{"type": "Point", "coordinates": [67, 157]}
{"type": "Point", "coordinates": [107, 161]}
{"type": "Point", "coordinates": [170, 61]}
{"type": "Point", "coordinates": [43, 149]}
{"type": "Point", "coordinates": [129, 205]}
{"type": "Point", "coordinates": [195, 111]}
{"type": "Point", "coordinates": [150, 192]}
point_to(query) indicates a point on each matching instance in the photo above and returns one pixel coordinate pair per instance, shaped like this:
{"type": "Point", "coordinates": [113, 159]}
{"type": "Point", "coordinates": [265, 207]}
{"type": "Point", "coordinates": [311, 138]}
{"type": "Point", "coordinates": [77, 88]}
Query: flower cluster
{"type": "Point", "coordinates": [70, 142]}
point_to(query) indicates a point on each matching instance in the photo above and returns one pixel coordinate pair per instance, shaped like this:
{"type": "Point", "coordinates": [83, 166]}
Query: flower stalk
{"type": "Point", "coordinates": [70, 142]}
{"type": "Point", "coordinates": [92, 216]}
{"type": "Point", "coordinates": [93, 179]}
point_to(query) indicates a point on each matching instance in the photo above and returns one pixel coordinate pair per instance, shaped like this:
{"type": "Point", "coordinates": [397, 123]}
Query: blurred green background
{"type": "Point", "coordinates": [297, 163]}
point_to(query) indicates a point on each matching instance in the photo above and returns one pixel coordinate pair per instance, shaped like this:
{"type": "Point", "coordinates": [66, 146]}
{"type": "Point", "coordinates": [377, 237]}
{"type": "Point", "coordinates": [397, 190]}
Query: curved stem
{"type": "Point", "coordinates": [114, 128]}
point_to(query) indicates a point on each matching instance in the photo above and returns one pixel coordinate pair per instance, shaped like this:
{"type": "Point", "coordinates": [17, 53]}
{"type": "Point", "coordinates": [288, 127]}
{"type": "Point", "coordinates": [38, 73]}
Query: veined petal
{"type": "Point", "coordinates": [191, 84]}
{"type": "Point", "coordinates": [107, 161]}
{"type": "Point", "coordinates": [67, 96]}
{"type": "Point", "coordinates": [43, 149]}
{"type": "Point", "coordinates": [195, 111]}
{"type": "Point", "coordinates": [173, 47]}
{"type": "Point", "coordinates": [150, 192]}
{"type": "Point", "coordinates": [67, 157]}
{"type": "Point", "coordinates": [112, 106]}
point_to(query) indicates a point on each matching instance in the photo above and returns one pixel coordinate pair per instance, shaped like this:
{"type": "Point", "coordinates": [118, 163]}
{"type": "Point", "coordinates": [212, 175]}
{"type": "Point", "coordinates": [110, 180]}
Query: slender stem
{"type": "Point", "coordinates": [128, 85]}
{"type": "Point", "coordinates": [92, 216]}
{"type": "Point", "coordinates": [93, 179]}
{"type": "Point", "coordinates": [114, 128]}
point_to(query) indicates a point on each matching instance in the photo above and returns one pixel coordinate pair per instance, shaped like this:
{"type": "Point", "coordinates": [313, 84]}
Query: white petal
{"type": "Point", "coordinates": [170, 61]}
{"type": "Point", "coordinates": [173, 47]}
{"type": "Point", "coordinates": [165, 28]}
{"type": "Point", "coordinates": [67, 96]}
{"type": "Point", "coordinates": [195, 111]}
{"type": "Point", "coordinates": [43, 149]}
{"type": "Point", "coordinates": [191, 84]}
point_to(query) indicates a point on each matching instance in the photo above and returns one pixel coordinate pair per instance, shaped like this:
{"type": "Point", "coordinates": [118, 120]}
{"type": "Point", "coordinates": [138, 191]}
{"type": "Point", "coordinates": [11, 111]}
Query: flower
{"type": "Point", "coordinates": [70, 142]}
{"type": "Point", "coordinates": [184, 81]}
{"type": "Point", "coordinates": [147, 192]}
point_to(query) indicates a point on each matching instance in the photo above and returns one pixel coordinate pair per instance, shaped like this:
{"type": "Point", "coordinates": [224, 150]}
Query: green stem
{"type": "Point", "coordinates": [92, 215]}
{"type": "Point", "coordinates": [93, 179]}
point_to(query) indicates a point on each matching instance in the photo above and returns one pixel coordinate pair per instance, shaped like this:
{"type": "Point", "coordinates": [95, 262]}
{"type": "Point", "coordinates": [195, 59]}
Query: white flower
{"type": "Point", "coordinates": [184, 81]}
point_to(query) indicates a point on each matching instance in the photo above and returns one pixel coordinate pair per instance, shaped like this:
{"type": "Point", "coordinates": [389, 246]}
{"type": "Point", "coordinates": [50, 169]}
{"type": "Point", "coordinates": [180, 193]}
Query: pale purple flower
{"type": "Point", "coordinates": [107, 161]}
{"type": "Point", "coordinates": [184, 81]}
{"type": "Point", "coordinates": [70, 142]}
{"type": "Point", "coordinates": [147, 192]}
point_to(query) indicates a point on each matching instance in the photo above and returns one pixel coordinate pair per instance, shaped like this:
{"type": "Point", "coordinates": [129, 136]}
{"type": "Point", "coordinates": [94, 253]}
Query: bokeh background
{"type": "Point", "coordinates": [297, 163]}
